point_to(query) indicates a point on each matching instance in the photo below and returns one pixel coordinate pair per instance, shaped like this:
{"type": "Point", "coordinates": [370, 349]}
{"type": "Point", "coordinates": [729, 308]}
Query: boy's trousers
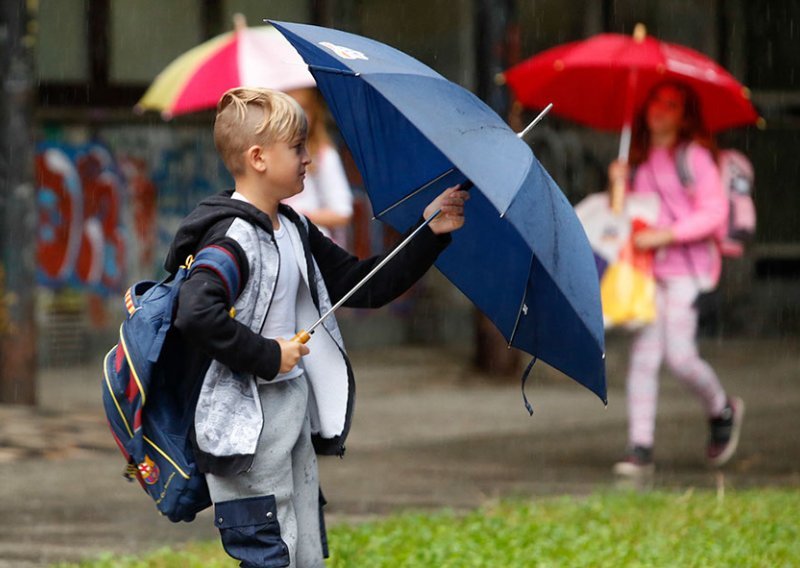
{"type": "Point", "coordinates": [269, 516]}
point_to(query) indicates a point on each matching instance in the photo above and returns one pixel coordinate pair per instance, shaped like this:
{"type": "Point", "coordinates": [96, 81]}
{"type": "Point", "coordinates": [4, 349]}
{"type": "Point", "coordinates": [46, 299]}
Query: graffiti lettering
{"type": "Point", "coordinates": [80, 240]}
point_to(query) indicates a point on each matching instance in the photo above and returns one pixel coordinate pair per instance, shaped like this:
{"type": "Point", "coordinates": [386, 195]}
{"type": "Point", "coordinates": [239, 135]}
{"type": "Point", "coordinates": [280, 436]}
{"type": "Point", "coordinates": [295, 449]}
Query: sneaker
{"type": "Point", "coordinates": [724, 432]}
{"type": "Point", "coordinates": [637, 463]}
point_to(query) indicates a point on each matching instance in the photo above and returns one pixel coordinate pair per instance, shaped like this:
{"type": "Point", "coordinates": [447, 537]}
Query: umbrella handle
{"type": "Point", "coordinates": [302, 336]}
{"type": "Point", "coordinates": [617, 197]}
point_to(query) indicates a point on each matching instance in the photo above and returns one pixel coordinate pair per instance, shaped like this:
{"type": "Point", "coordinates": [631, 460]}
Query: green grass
{"type": "Point", "coordinates": [747, 528]}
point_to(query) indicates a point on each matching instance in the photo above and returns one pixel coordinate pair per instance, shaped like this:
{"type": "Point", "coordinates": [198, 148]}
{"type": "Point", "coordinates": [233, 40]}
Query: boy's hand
{"type": "Point", "coordinates": [291, 351]}
{"type": "Point", "coordinates": [451, 202]}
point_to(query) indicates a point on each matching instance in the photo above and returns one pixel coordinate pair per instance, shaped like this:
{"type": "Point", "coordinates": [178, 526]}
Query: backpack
{"type": "Point", "coordinates": [148, 398]}
{"type": "Point", "coordinates": [736, 174]}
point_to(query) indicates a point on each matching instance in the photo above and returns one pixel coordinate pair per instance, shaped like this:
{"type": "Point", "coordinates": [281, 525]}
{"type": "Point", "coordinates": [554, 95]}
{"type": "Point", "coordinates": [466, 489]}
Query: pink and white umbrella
{"type": "Point", "coordinates": [245, 57]}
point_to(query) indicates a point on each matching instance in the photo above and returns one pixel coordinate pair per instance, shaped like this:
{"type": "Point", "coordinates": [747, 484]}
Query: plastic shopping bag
{"type": "Point", "coordinates": [627, 286]}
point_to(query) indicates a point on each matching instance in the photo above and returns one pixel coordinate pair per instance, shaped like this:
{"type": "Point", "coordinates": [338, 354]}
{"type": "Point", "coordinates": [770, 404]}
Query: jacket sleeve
{"type": "Point", "coordinates": [203, 317]}
{"type": "Point", "coordinates": [341, 270]}
{"type": "Point", "coordinates": [710, 204]}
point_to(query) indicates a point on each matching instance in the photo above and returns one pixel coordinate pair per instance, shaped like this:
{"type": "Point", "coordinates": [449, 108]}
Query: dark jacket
{"type": "Point", "coordinates": [236, 346]}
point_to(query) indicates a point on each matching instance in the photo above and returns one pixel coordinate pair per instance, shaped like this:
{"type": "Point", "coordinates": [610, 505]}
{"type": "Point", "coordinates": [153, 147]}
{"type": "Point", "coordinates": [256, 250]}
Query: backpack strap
{"type": "Point", "coordinates": [682, 165]}
{"type": "Point", "coordinates": [221, 262]}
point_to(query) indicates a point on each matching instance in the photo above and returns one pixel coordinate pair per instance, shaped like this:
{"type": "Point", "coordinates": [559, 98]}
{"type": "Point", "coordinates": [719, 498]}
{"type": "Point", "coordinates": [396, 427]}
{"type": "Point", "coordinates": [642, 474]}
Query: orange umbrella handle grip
{"type": "Point", "coordinates": [302, 336]}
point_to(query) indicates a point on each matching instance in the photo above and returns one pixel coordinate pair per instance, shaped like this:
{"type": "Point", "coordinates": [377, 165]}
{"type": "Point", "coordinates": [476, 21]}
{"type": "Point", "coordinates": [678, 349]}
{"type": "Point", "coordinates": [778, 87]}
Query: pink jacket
{"type": "Point", "coordinates": [696, 214]}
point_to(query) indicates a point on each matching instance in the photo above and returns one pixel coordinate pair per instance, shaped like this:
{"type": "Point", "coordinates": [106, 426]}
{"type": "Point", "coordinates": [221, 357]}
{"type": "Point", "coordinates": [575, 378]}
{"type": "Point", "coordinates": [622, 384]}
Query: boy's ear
{"type": "Point", "coordinates": [256, 158]}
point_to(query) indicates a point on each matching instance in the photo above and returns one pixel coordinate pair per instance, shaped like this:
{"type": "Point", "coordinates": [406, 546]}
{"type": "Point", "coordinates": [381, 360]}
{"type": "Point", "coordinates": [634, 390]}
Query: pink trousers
{"type": "Point", "coordinates": [671, 338]}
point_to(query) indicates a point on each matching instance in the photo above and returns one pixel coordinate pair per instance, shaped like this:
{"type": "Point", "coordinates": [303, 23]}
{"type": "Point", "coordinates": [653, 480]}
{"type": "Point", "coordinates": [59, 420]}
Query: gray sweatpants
{"type": "Point", "coordinates": [284, 469]}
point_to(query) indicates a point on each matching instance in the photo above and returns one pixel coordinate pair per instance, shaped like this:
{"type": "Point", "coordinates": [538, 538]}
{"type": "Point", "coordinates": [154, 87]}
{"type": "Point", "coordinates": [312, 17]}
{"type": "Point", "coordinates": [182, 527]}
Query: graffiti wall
{"type": "Point", "coordinates": [108, 208]}
{"type": "Point", "coordinates": [181, 163]}
{"type": "Point", "coordinates": [80, 239]}
{"type": "Point", "coordinates": [109, 200]}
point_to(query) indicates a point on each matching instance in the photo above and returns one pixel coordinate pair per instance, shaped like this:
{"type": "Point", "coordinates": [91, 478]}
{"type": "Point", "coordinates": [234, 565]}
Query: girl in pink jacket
{"type": "Point", "coordinates": [686, 262]}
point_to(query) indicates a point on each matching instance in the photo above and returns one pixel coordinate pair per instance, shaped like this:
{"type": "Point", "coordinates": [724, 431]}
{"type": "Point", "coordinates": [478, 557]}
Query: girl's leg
{"type": "Point", "coordinates": [681, 345]}
{"type": "Point", "coordinates": [645, 360]}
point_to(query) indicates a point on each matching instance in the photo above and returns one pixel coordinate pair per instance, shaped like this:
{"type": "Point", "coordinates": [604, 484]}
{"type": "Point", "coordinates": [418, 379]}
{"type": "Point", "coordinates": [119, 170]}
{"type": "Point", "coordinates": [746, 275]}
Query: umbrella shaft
{"type": "Point", "coordinates": [625, 139]}
{"type": "Point", "coordinates": [625, 144]}
{"type": "Point", "coordinates": [372, 272]}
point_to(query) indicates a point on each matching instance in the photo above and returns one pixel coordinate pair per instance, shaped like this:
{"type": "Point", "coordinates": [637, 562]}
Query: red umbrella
{"type": "Point", "coordinates": [600, 81]}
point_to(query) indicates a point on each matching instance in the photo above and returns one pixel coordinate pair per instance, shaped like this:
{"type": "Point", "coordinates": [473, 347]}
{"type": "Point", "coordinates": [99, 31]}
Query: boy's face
{"type": "Point", "coordinates": [286, 166]}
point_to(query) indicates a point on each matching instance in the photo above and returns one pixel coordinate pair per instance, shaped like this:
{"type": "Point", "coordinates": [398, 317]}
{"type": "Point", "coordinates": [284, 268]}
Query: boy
{"type": "Point", "coordinates": [267, 405]}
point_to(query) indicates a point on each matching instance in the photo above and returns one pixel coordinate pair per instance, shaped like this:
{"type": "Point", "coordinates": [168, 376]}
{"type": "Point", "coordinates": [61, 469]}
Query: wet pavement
{"type": "Point", "coordinates": [428, 433]}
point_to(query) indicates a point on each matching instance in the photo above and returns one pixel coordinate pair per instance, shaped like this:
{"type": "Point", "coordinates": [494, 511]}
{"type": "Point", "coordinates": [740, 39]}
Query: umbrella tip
{"type": "Point", "coordinates": [639, 32]}
{"type": "Point", "coordinates": [239, 21]}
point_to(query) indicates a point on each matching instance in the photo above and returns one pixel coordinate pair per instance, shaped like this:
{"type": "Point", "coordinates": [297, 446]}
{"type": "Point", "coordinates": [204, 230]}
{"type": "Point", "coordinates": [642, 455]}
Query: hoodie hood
{"type": "Point", "coordinates": [208, 213]}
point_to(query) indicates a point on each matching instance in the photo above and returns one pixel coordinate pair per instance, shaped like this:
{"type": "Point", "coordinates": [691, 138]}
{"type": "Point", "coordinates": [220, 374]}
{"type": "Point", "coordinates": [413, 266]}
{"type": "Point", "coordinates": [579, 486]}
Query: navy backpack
{"type": "Point", "coordinates": [148, 398]}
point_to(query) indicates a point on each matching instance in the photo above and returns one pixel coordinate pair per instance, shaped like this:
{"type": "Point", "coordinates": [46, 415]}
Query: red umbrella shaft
{"type": "Point", "coordinates": [625, 138]}
{"type": "Point", "coordinates": [618, 187]}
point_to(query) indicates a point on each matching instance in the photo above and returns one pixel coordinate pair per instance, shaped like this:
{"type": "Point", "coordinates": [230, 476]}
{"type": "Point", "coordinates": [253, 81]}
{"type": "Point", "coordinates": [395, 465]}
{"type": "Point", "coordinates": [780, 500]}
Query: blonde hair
{"type": "Point", "coordinates": [248, 117]}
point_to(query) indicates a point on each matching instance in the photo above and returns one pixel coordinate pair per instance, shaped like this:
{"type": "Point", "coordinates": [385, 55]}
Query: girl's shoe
{"type": "Point", "coordinates": [637, 463]}
{"type": "Point", "coordinates": [724, 432]}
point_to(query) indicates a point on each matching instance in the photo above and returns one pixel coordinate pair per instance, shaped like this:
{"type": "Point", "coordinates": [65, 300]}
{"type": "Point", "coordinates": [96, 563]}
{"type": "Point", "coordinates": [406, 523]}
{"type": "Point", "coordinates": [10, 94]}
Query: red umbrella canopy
{"type": "Point", "coordinates": [600, 81]}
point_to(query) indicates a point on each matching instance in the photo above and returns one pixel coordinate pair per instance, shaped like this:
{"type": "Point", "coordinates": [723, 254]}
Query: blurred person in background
{"type": "Point", "coordinates": [686, 262]}
{"type": "Point", "coordinates": [327, 199]}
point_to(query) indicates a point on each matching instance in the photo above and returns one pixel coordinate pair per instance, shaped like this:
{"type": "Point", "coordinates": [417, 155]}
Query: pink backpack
{"type": "Point", "coordinates": [736, 174]}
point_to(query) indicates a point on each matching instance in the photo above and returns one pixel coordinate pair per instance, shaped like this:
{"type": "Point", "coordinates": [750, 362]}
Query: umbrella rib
{"type": "Point", "coordinates": [415, 192]}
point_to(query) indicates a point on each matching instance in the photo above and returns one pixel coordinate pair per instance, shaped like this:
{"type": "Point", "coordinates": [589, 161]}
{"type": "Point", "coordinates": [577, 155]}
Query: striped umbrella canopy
{"type": "Point", "coordinates": [245, 57]}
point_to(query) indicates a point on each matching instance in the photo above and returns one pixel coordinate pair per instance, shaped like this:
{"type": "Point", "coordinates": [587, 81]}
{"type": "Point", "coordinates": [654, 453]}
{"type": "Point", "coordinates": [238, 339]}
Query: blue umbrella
{"type": "Point", "coordinates": [522, 256]}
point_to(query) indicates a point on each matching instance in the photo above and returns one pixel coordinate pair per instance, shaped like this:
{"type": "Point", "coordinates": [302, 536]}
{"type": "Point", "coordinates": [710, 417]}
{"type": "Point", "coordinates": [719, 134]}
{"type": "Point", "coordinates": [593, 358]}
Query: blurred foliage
{"type": "Point", "coordinates": [743, 528]}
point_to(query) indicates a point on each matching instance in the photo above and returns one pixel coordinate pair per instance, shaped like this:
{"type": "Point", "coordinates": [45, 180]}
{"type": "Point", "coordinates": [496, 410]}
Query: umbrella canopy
{"type": "Point", "coordinates": [600, 81]}
{"type": "Point", "coordinates": [522, 256]}
{"type": "Point", "coordinates": [252, 57]}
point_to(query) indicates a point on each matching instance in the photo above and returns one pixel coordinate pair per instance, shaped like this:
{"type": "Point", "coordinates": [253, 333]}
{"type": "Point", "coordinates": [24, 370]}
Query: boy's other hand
{"type": "Point", "coordinates": [291, 351]}
{"type": "Point", "coordinates": [451, 202]}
